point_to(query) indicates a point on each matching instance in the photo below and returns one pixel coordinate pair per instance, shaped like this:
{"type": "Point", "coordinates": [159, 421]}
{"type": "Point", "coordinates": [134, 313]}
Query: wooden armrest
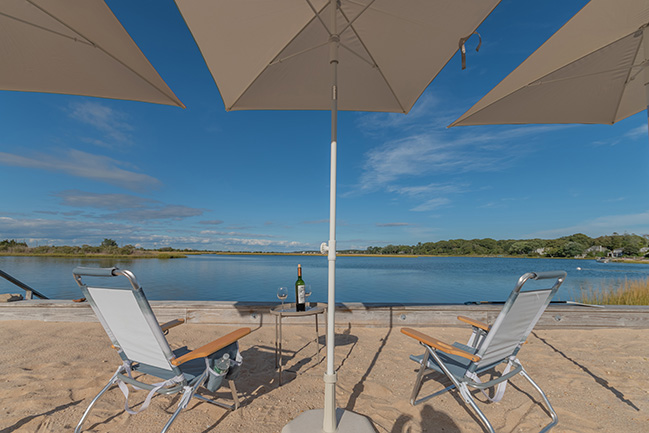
{"type": "Point", "coordinates": [167, 326]}
{"type": "Point", "coordinates": [476, 323]}
{"type": "Point", "coordinates": [439, 345]}
{"type": "Point", "coordinates": [212, 347]}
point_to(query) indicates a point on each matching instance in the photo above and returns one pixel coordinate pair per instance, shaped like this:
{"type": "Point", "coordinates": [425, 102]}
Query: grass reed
{"type": "Point", "coordinates": [633, 292]}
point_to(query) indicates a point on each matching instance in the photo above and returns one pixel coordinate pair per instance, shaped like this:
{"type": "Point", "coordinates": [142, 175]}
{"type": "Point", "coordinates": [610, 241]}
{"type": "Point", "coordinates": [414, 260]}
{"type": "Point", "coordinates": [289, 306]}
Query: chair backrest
{"type": "Point", "coordinates": [127, 318]}
{"type": "Point", "coordinates": [517, 319]}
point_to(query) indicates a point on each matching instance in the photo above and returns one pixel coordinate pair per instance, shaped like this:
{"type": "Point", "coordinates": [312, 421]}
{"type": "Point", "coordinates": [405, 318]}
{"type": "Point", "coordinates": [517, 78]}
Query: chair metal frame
{"type": "Point", "coordinates": [467, 358]}
{"type": "Point", "coordinates": [188, 388]}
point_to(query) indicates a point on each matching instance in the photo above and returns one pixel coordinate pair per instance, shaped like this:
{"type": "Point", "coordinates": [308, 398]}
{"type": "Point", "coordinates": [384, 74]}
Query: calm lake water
{"type": "Point", "coordinates": [359, 279]}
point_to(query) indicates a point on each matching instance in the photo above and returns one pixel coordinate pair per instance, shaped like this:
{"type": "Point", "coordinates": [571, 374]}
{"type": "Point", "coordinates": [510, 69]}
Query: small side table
{"type": "Point", "coordinates": [312, 309]}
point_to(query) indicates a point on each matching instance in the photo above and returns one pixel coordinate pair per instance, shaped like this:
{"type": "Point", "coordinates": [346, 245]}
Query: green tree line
{"type": "Point", "coordinates": [107, 247]}
{"type": "Point", "coordinates": [576, 245]}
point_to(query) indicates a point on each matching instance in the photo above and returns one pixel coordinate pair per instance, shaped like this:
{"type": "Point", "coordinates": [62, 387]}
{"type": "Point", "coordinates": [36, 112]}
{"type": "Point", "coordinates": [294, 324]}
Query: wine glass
{"type": "Point", "coordinates": [307, 293]}
{"type": "Point", "coordinates": [282, 294]}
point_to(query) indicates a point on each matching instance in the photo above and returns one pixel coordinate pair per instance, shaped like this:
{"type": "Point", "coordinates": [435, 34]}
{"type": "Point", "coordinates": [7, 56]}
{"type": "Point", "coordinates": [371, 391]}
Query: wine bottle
{"type": "Point", "coordinates": [299, 291]}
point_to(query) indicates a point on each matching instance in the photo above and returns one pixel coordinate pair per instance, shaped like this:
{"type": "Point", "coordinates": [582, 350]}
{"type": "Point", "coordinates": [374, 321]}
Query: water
{"type": "Point", "coordinates": [359, 279]}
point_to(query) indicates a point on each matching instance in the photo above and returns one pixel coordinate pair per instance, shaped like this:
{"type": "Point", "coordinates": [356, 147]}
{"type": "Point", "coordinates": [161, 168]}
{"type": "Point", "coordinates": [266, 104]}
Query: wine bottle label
{"type": "Point", "coordinates": [300, 294]}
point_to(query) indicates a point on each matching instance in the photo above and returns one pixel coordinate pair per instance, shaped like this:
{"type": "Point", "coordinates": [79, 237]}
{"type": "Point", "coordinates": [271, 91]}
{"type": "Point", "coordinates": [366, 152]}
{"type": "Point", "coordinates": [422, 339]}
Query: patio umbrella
{"type": "Point", "coordinates": [74, 47]}
{"type": "Point", "coordinates": [593, 70]}
{"type": "Point", "coordinates": [368, 55]}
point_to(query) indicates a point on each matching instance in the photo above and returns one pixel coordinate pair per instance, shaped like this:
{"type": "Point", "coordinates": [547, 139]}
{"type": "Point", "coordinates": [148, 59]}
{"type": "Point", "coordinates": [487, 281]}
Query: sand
{"type": "Point", "coordinates": [597, 381]}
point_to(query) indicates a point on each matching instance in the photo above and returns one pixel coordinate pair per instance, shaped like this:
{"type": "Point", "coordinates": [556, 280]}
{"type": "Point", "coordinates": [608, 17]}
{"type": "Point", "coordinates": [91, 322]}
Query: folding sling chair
{"type": "Point", "coordinates": [488, 347]}
{"type": "Point", "coordinates": [139, 340]}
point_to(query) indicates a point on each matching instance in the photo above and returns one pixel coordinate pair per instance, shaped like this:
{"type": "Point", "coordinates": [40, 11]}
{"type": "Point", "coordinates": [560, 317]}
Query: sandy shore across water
{"type": "Point", "coordinates": [597, 381]}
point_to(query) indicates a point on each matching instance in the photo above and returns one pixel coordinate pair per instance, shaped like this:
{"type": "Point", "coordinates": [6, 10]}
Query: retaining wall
{"type": "Point", "coordinates": [357, 314]}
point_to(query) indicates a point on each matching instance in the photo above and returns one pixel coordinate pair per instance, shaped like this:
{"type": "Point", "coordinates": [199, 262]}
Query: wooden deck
{"type": "Point", "coordinates": [358, 314]}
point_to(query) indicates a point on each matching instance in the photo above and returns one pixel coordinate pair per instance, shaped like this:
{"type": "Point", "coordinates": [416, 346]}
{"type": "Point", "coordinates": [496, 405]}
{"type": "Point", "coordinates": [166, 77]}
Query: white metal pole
{"type": "Point", "coordinates": [329, 419]}
{"type": "Point", "coordinates": [645, 41]}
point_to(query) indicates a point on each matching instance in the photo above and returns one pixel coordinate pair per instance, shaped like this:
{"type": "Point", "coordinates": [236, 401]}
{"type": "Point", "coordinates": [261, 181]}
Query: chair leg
{"type": "Point", "coordinates": [418, 383]}
{"type": "Point", "coordinates": [464, 390]}
{"type": "Point", "coordinates": [184, 400]}
{"type": "Point", "coordinates": [553, 414]}
{"type": "Point", "coordinates": [235, 396]}
{"type": "Point", "coordinates": [468, 398]}
{"type": "Point", "coordinates": [111, 382]}
{"type": "Point", "coordinates": [420, 377]}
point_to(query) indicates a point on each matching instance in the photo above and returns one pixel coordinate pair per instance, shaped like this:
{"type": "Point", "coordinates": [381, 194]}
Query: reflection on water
{"type": "Point", "coordinates": [358, 279]}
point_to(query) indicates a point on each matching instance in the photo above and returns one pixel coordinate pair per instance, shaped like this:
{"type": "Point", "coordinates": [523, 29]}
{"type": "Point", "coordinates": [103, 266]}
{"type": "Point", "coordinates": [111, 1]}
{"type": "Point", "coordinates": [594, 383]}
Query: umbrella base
{"type": "Point", "coordinates": [311, 422]}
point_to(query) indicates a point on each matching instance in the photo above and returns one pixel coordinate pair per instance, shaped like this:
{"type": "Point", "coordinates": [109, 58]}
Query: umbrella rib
{"type": "Point", "coordinates": [629, 77]}
{"type": "Point", "coordinates": [349, 23]}
{"type": "Point", "coordinates": [87, 42]}
{"type": "Point", "coordinates": [176, 101]}
{"type": "Point", "coordinates": [373, 62]}
{"type": "Point", "coordinates": [277, 60]}
{"type": "Point", "coordinates": [317, 14]}
{"type": "Point", "coordinates": [540, 81]}
{"type": "Point", "coordinates": [283, 59]}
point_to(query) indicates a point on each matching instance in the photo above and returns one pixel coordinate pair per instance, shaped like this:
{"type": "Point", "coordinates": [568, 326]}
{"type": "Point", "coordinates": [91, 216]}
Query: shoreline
{"type": "Point", "coordinates": [184, 254]}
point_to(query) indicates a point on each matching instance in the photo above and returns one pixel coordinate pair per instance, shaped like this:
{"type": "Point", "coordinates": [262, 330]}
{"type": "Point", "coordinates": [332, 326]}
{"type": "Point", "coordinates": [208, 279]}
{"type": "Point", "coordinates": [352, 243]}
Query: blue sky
{"type": "Point", "coordinates": [76, 170]}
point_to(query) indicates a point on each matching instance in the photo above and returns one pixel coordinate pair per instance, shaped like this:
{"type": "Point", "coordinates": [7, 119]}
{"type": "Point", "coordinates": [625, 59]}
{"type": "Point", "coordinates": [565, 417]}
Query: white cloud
{"type": "Point", "coordinates": [393, 224]}
{"type": "Point", "coordinates": [262, 243]}
{"type": "Point", "coordinates": [631, 223]}
{"type": "Point", "coordinates": [105, 119]}
{"type": "Point", "coordinates": [85, 165]}
{"type": "Point", "coordinates": [641, 131]}
{"type": "Point", "coordinates": [211, 222]}
{"type": "Point", "coordinates": [77, 198]}
{"type": "Point", "coordinates": [127, 207]}
{"type": "Point", "coordinates": [163, 212]}
{"type": "Point", "coordinates": [376, 123]}
{"type": "Point", "coordinates": [39, 231]}
{"type": "Point", "coordinates": [427, 190]}
{"type": "Point", "coordinates": [432, 204]}
{"type": "Point", "coordinates": [55, 231]}
{"type": "Point", "coordinates": [232, 233]}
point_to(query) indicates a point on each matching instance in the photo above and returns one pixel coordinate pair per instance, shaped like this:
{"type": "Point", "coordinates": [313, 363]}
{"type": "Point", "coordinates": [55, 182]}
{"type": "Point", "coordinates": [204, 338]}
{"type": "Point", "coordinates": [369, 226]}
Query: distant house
{"type": "Point", "coordinates": [644, 250]}
{"type": "Point", "coordinates": [540, 251]}
{"type": "Point", "coordinates": [596, 249]}
{"type": "Point", "coordinates": [618, 252]}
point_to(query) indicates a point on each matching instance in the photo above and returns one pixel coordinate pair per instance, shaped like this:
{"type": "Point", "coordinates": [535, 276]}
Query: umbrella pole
{"type": "Point", "coordinates": [329, 419]}
{"type": "Point", "coordinates": [645, 41]}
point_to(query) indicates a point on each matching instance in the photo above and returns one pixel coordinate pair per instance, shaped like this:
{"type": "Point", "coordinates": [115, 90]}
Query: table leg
{"type": "Point", "coordinates": [317, 337]}
{"type": "Point", "coordinates": [276, 336]}
{"type": "Point", "coordinates": [280, 349]}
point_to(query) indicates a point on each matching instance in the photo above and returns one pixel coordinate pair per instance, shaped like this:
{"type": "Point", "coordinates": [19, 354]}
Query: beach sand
{"type": "Point", "coordinates": [597, 380]}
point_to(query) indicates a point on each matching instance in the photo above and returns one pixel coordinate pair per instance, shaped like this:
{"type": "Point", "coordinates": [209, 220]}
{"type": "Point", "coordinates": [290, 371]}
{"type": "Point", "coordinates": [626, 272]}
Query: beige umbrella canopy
{"type": "Point", "coordinates": [74, 47]}
{"type": "Point", "coordinates": [366, 55]}
{"type": "Point", "coordinates": [275, 55]}
{"type": "Point", "coordinates": [593, 70]}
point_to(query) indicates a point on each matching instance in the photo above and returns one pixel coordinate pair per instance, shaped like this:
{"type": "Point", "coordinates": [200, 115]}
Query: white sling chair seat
{"type": "Point", "coordinates": [488, 347]}
{"type": "Point", "coordinates": [139, 340]}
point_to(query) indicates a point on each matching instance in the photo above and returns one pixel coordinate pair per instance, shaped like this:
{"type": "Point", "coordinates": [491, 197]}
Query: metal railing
{"type": "Point", "coordinates": [29, 292]}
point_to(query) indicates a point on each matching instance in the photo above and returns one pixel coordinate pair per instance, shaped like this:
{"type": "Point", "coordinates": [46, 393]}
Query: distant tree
{"type": "Point", "coordinates": [632, 244]}
{"type": "Point", "coordinates": [521, 247]}
{"type": "Point", "coordinates": [567, 246]}
{"type": "Point", "coordinates": [571, 249]}
{"type": "Point", "coordinates": [107, 243]}
{"type": "Point", "coordinates": [580, 238]}
{"type": "Point", "coordinates": [127, 250]}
